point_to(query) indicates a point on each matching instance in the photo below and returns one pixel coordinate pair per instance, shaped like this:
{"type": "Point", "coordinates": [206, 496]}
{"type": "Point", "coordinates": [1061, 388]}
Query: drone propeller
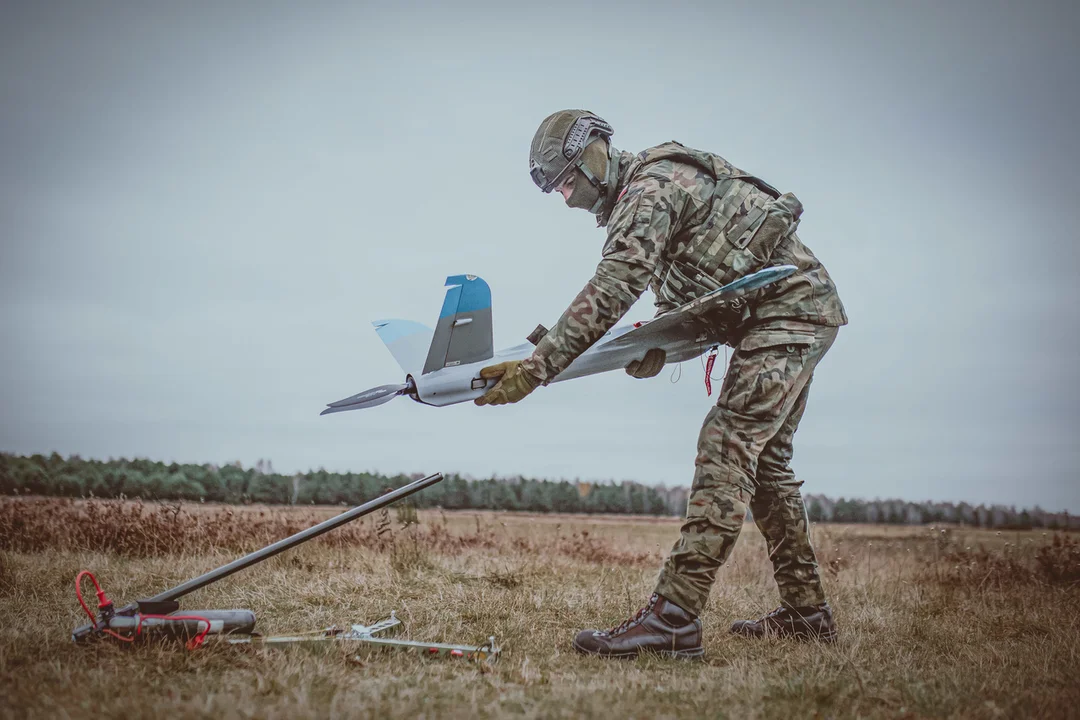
{"type": "Point", "coordinates": [369, 398]}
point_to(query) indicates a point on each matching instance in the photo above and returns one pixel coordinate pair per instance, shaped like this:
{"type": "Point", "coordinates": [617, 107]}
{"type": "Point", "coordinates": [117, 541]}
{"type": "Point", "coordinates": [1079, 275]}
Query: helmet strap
{"type": "Point", "coordinates": [601, 196]}
{"type": "Point", "coordinates": [605, 187]}
{"type": "Point", "coordinates": [609, 186]}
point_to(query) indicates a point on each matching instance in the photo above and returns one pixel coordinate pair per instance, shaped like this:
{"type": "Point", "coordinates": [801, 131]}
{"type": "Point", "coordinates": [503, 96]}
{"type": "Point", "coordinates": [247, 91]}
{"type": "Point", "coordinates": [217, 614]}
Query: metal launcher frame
{"type": "Point", "coordinates": [376, 635]}
{"type": "Point", "coordinates": [160, 616]}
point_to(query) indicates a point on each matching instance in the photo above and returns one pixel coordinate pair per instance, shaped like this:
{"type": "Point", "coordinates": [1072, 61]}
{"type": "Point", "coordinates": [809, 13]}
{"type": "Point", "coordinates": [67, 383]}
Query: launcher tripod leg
{"type": "Point", "coordinates": [376, 636]}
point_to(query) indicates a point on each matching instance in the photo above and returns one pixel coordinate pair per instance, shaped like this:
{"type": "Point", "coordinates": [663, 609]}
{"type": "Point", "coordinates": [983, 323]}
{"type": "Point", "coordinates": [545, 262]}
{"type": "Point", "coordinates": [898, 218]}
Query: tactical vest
{"type": "Point", "coordinates": [747, 220]}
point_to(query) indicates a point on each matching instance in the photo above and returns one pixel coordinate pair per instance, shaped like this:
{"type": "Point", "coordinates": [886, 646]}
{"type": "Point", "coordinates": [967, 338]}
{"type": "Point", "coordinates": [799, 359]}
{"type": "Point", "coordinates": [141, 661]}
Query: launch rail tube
{"type": "Point", "coordinates": [303, 536]}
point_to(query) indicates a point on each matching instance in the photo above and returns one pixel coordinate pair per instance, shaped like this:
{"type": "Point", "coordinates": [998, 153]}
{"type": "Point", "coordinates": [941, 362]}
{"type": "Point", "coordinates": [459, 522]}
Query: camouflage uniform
{"type": "Point", "coordinates": [685, 222]}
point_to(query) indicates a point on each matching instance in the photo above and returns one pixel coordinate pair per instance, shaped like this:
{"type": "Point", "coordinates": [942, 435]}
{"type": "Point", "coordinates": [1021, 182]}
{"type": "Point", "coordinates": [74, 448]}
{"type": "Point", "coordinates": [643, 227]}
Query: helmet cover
{"type": "Point", "coordinates": [559, 148]}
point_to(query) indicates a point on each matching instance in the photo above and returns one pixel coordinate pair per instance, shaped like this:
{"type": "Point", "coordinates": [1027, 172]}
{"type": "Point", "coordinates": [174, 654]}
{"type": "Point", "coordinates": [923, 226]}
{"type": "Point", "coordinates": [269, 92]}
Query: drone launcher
{"type": "Point", "coordinates": [160, 616]}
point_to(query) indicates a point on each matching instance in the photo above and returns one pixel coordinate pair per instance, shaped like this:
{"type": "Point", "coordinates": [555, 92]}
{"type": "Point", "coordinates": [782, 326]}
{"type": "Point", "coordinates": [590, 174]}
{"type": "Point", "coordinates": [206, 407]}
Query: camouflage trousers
{"type": "Point", "coordinates": [743, 459]}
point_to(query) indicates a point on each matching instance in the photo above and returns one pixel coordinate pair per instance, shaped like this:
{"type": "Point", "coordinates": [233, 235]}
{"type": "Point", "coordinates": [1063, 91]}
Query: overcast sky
{"type": "Point", "coordinates": [203, 206]}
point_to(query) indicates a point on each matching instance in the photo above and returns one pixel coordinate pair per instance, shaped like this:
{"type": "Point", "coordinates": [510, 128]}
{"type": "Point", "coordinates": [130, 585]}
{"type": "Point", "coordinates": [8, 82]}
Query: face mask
{"type": "Point", "coordinates": [585, 194]}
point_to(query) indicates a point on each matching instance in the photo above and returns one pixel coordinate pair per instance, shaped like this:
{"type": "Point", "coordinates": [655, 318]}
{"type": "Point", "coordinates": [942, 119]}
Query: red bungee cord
{"type": "Point", "coordinates": [105, 604]}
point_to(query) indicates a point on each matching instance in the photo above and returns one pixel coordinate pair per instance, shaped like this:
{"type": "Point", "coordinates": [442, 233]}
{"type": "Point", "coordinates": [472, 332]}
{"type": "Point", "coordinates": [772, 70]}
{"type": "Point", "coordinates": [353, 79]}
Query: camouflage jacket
{"type": "Point", "coordinates": [684, 223]}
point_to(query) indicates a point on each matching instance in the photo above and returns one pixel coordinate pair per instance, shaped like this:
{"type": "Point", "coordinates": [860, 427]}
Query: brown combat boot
{"type": "Point", "coordinates": [661, 627]}
{"type": "Point", "coordinates": [808, 623]}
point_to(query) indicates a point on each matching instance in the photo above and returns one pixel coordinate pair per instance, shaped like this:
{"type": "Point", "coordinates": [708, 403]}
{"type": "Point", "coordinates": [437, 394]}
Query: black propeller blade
{"type": "Point", "coordinates": [367, 399]}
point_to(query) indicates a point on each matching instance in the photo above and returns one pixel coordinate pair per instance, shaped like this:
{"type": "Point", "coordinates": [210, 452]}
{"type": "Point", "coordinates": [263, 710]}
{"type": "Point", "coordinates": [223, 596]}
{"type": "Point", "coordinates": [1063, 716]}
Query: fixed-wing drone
{"type": "Point", "coordinates": [461, 344]}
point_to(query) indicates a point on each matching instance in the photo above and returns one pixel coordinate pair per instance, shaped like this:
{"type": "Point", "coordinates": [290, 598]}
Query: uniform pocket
{"type": "Point", "coordinates": [793, 339]}
{"type": "Point", "coordinates": [764, 370]}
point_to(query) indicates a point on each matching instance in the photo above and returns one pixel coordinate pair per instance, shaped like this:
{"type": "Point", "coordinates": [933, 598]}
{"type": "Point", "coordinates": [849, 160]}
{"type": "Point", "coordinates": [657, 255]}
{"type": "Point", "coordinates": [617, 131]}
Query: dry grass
{"type": "Point", "coordinates": [960, 623]}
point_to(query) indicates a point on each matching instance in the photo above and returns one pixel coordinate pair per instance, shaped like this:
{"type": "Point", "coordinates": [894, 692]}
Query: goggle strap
{"type": "Point", "coordinates": [587, 172]}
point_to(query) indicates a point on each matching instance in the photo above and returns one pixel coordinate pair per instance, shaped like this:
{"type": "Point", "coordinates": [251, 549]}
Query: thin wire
{"type": "Point", "coordinates": [676, 374]}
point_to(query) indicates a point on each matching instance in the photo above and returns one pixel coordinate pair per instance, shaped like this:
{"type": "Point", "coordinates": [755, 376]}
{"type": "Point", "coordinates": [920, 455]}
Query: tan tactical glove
{"type": "Point", "coordinates": [648, 366]}
{"type": "Point", "coordinates": [516, 383]}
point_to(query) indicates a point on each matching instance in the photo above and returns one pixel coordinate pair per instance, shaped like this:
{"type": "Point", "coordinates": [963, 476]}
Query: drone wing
{"type": "Point", "coordinates": [677, 323]}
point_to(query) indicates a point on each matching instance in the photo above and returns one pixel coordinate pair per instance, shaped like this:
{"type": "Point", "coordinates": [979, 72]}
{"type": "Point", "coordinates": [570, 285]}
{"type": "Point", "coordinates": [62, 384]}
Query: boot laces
{"type": "Point", "coordinates": [635, 619]}
{"type": "Point", "coordinates": [776, 613]}
{"type": "Point", "coordinates": [790, 612]}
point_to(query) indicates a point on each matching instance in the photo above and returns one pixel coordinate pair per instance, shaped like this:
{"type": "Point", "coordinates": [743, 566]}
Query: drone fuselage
{"type": "Point", "coordinates": [452, 355]}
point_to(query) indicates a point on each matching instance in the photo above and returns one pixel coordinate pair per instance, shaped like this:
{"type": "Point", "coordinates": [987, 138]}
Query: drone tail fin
{"type": "Point", "coordinates": [406, 340]}
{"type": "Point", "coordinates": [463, 334]}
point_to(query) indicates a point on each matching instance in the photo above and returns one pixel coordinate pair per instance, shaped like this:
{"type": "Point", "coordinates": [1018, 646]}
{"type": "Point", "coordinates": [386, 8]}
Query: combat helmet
{"type": "Point", "coordinates": [567, 142]}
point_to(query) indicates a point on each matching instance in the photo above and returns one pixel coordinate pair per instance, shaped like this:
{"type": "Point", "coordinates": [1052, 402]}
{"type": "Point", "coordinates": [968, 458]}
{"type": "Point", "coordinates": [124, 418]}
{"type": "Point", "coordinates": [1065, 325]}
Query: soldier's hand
{"type": "Point", "coordinates": [515, 384]}
{"type": "Point", "coordinates": [648, 366]}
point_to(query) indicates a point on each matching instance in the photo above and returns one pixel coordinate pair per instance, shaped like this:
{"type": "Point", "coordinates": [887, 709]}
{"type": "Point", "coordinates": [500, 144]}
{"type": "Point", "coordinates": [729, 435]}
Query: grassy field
{"type": "Point", "coordinates": [938, 622]}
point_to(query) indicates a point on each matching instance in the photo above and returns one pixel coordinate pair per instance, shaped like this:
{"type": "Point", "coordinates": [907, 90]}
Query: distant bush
{"type": "Point", "coordinates": [1054, 563]}
{"type": "Point", "coordinates": [137, 529]}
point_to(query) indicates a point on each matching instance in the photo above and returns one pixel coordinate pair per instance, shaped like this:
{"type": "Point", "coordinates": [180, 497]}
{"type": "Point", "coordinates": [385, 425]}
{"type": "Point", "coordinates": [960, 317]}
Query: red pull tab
{"type": "Point", "coordinates": [709, 362]}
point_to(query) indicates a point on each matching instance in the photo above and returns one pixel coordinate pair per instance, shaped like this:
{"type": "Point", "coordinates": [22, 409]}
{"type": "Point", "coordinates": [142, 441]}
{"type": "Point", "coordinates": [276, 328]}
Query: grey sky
{"type": "Point", "coordinates": [202, 208]}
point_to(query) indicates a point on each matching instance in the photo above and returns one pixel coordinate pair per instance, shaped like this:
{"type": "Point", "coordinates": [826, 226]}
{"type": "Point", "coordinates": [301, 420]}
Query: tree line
{"type": "Point", "coordinates": [232, 483]}
{"type": "Point", "coordinates": [151, 480]}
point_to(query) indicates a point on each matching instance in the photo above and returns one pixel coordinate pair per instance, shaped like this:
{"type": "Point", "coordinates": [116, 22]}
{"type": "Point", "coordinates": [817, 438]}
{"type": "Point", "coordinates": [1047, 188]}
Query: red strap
{"type": "Point", "coordinates": [709, 362]}
{"type": "Point", "coordinates": [104, 602]}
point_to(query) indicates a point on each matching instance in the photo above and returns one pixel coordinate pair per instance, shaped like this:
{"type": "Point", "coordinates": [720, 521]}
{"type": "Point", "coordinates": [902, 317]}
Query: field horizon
{"type": "Point", "coordinates": [935, 621]}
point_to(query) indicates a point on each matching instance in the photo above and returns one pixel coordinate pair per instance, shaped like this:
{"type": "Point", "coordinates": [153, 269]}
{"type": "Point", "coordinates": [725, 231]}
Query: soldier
{"type": "Point", "coordinates": [685, 222]}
